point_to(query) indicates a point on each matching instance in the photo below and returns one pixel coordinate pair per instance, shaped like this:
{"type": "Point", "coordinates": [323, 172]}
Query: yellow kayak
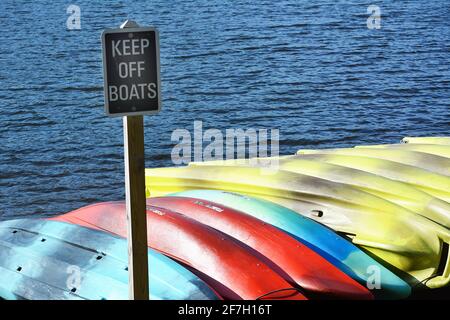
{"type": "Point", "coordinates": [438, 150]}
{"type": "Point", "coordinates": [427, 140]}
{"type": "Point", "coordinates": [397, 192]}
{"type": "Point", "coordinates": [406, 241]}
{"type": "Point", "coordinates": [434, 184]}
{"type": "Point", "coordinates": [432, 163]}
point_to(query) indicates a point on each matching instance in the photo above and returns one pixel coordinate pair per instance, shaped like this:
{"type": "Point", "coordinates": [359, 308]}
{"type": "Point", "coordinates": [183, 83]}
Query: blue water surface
{"type": "Point", "coordinates": [312, 69]}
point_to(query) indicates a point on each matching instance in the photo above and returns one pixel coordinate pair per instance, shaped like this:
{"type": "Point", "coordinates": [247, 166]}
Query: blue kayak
{"type": "Point", "coordinates": [342, 253]}
{"type": "Point", "coordinates": [48, 260]}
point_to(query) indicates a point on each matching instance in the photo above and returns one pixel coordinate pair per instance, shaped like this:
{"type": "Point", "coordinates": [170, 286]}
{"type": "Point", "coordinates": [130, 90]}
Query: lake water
{"type": "Point", "coordinates": [313, 70]}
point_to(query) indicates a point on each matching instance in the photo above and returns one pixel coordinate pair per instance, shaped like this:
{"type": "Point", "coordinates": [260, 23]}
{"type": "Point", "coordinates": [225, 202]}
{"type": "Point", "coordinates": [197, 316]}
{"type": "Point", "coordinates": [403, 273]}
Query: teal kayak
{"type": "Point", "coordinates": [342, 253]}
{"type": "Point", "coordinates": [49, 260]}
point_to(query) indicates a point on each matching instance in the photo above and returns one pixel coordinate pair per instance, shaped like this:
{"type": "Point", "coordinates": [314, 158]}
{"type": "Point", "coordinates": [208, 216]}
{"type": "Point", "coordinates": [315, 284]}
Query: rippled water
{"type": "Point", "coordinates": [311, 69]}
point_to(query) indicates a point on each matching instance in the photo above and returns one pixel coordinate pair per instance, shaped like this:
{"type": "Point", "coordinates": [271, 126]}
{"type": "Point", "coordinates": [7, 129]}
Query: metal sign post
{"type": "Point", "coordinates": [132, 89]}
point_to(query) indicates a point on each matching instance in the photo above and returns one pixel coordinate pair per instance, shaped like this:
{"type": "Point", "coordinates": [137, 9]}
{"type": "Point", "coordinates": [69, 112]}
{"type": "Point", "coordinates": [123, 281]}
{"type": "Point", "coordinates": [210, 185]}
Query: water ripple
{"type": "Point", "coordinates": [313, 71]}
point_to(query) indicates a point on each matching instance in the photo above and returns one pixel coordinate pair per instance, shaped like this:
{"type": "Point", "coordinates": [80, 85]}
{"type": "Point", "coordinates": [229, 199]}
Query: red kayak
{"type": "Point", "coordinates": [297, 263]}
{"type": "Point", "coordinates": [226, 264]}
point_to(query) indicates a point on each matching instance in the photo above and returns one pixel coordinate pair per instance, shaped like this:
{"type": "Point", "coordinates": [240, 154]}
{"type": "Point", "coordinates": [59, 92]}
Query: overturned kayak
{"type": "Point", "coordinates": [48, 260]}
{"type": "Point", "coordinates": [434, 184]}
{"type": "Point", "coordinates": [227, 265]}
{"type": "Point", "coordinates": [438, 150]}
{"type": "Point", "coordinates": [404, 240]}
{"type": "Point", "coordinates": [297, 262]}
{"type": "Point", "coordinates": [323, 240]}
{"type": "Point", "coordinates": [429, 162]}
{"type": "Point", "coordinates": [427, 140]}
{"type": "Point", "coordinates": [399, 193]}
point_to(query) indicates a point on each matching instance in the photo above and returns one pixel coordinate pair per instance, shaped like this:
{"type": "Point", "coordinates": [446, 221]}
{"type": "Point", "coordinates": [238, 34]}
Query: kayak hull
{"type": "Point", "coordinates": [396, 192]}
{"type": "Point", "coordinates": [426, 161]}
{"type": "Point", "coordinates": [405, 241]}
{"type": "Point", "coordinates": [300, 264]}
{"type": "Point", "coordinates": [427, 140]}
{"type": "Point", "coordinates": [431, 183]}
{"type": "Point", "coordinates": [48, 260]}
{"type": "Point", "coordinates": [224, 263]}
{"type": "Point", "coordinates": [342, 253]}
{"type": "Point", "coordinates": [433, 149]}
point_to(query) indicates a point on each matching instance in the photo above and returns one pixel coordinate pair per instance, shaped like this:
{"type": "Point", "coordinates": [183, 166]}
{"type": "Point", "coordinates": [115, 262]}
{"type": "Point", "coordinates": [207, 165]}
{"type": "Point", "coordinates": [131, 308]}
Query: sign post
{"type": "Point", "coordinates": [132, 89]}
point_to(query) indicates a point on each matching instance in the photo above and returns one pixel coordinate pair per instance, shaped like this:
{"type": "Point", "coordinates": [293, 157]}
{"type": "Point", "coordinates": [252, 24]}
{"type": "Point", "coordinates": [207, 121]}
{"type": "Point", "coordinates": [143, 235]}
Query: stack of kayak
{"type": "Point", "coordinates": [369, 222]}
{"type": "Point", "coordinates": [390, 201]}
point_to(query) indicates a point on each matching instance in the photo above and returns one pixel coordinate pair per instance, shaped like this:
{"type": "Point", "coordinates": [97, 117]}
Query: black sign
{"type": "Point", "coordinates": [131, 71]}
